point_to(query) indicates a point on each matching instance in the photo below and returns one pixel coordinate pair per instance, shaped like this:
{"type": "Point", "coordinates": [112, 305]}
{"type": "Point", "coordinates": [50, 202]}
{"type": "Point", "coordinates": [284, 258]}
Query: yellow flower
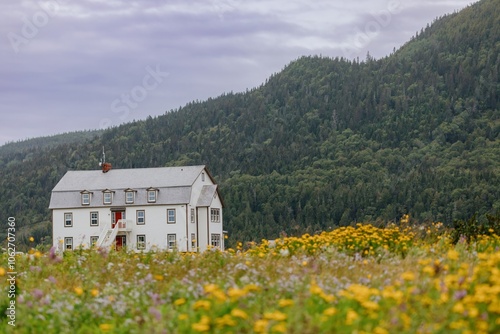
{"type": "Point", "coordinates": [94, 292]}
{"type": "Point", "coordinates": [237, 313]}
{"type": "Point", "coordinates": [225, 320]}
{"type": "Point", "coordinates": [2, 271]}
{"type": "Point", "coordinates": [32, 239]}
{"type": "Point", "coordinates": [236, 293]}
{"type": "Point", "coordinates": [260, 326]}
{"type": "Point", "coordinates": [279, 328]}
{"type": "Point", "coordinates": [209, 288]}
{"type": "Point", "coordinates": [202, 304]}
{"type": "Point", "coordinates": [183, 316]}
{"type": "Point", "coordinates": [180, 301]}
{"type": "Point", "coordinates": [408, 276]}
{"type": "Point", "coordinates": [285, 302]}
{"type": "Point", "coordinates": [452, 255]}
{"type": "Point", "coordinates": [105, 327]}
{"type": "Point", "coordinates": [203, 325]}
{"type": "Point", "coordinates": [78, 290]}
{"type": "Point", "coordinates": [158, 277]}
{"type": "Point", "coordinates": [330, 311]}
{"type": "Point", "coordinates": [276, 315]}
{"type": "Point", "coordinates": [351, 316]}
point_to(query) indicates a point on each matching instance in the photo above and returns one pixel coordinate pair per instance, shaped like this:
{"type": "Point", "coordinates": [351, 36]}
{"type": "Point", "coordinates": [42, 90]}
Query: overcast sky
{"type": "Point", "coordinates": [89, 64]}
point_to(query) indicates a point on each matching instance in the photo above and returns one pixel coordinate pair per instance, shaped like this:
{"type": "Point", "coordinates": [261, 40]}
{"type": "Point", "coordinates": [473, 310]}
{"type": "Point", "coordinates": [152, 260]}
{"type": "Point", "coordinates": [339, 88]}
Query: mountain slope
{"type": "Point", "coordinates": [325, 141]}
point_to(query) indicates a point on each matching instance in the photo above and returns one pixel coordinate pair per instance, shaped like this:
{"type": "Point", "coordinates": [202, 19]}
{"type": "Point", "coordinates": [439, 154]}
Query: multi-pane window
{"type": "Point", "coordinates": [93, 240]}
{"type": "Point", "coordinates": [193, 217]}
{"type": "Point", "coordinates": [141, 241]}
{"type": "Point", "coordinates": [171, 241]}
{"type": "Point", "coordinates": [68, 243]}
{"type": "Point", "coordinates": [193, 240]}
{"type": "Point", "coordinates": [107, 197]}
{"type": "Point", "coordinates": [151, 195]}
{"type": "Point", "coordinates": [215, 215]}
{"type": "Point", "coordinates": [215, 240]}
{"type": "Point", "coordinates": [94, 219]}
{"type": "Point", "coordinates": [129, 197]}
{"type": "Point", "coordinates": [141, 217]}
{"type": "Point", "coordinates": [171, 216]}
{"type": "Point", "coordinates": [68, 219]}
{"type": "Point", "coordinates": [85, 198]}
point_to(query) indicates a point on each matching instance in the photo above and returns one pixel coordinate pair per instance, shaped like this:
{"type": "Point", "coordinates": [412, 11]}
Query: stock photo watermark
{"type": "Point", "coordinates": [31, 25]}
{"type": "Point", "coordinates": [364, 35]}
{"type": "Point", "coordinates": [122, 106]}
{"type": "Point", "coordinates": [10, 311]}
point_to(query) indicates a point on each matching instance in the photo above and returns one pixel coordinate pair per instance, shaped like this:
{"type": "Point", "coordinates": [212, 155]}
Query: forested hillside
{"type": "Point", "coordinates": [324, 142]}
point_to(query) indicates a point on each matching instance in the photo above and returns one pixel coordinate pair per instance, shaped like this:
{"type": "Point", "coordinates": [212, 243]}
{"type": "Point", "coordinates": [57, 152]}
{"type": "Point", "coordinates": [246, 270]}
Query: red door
{"type": "Point", "coordinates": [120, 242]}
{"type": "Point", "coordinates": [117, 215]}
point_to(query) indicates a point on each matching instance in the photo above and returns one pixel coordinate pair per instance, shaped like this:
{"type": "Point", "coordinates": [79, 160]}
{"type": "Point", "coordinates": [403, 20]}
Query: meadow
{"type": "Point", "coordinates": [358, 279]}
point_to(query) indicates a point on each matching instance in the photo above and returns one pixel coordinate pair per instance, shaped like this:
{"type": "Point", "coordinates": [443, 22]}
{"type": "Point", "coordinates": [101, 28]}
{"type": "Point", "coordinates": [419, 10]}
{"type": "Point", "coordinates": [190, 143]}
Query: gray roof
{"type": "Point", "coordinates": [173, 184]}
{"type": "Point", "coordinates": [207, 195]}
{"type": "Point", "coordinates": [129, 178]}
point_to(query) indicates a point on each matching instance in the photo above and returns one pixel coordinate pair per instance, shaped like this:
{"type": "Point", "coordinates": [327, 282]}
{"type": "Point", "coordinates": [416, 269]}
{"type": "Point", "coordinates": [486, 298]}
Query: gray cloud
{"type": "Point", "coordinates": [65, 63]}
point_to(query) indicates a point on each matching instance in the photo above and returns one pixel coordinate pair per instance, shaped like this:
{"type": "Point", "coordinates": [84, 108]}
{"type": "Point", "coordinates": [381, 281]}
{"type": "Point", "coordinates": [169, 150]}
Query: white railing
{"type": "Point", "coordinates": [109, 233]}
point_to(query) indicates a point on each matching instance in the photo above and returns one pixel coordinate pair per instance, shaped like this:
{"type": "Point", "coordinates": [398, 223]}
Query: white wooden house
{"type": "Point", "coordinates": [141, 209]}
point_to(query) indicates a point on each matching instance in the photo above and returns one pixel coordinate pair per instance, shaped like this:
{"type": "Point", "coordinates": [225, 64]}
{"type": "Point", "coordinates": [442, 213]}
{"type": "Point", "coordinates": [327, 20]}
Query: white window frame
{"type": "Point", "coordinates": [68, 243]}
{"type": "Point", "coordinates": [85, 198]}
{"type": "Point", "coordinates": [96, 218]}
{"type": "Point", "coordinates": [68, 217]}
{"type": "Point", "coordinates": [193, 216]}
{"type": "Point", "coordinates": [129, 194]}
{"type": "Point", "coordinates": [141, 244]}
{"type": "Point", "coordinates": [143, 217]}
{"type": "Point", "coordinates": [171, 241]}
{"type": "Point", "coordinates": [168, 216]}
{"type": "Point", "coordinates": [93, 240]}
{"type": "Point", "coordinates": [215, 240]}
{"type": "Point", "coordinates": [215, 215]}
{"type": "Point", "coordinates": [152, 194]}
{"type": "Point", "coordinates": [107, 195]}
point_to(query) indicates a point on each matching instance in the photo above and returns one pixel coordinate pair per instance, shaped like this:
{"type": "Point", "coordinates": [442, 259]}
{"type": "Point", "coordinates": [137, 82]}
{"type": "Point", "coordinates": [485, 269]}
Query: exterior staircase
{"type": "Point", "coordinates": [108, 234]}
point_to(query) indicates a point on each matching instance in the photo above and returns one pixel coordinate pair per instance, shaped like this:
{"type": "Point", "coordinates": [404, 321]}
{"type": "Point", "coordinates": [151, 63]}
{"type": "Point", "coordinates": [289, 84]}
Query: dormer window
{"type": "Point", "coordinates": [107, 197]}
{"type": "Point", "coordinates": [129, 196]}
{"type": "Point", "coordinates": [202, 177]}
{"type": "Point", "coordinates": [85, 197]}
{"type": "Point", "coordinates": [152, 194]}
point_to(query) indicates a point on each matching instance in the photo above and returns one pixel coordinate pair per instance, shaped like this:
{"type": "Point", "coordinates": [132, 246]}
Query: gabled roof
{"type": "Point", "coordinates": [129, 178]}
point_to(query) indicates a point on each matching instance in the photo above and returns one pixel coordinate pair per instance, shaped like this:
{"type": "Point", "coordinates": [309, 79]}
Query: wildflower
{"type": "Point", "coordinates": [154, 312]}
{"type": "Point", "coordinates": [183, 316]}
{"type": "Point", "coordinates": [105, 327]}
{"type": "Point", "coordinates": [2, 271]}
{"type": "Point", "coordinates": [94, 292]}
{"type": "Point", "coordinates": [236, 293]}
{"type": "Point", "coordinates": [158, 277]}
{"type": "Point", "coordinates": [452, 255]}
{"type": "Point", "coordinates": [351, 316]}
{"type": "Point", "coordinates": [279, 328]}
{"type": "Point", "coordinates": [237, 313]}
{"type": "Point", "coordinates": [276, 315]}
{"type": "Point", "coordinates": [32, 239]}
{"type": "Point", "coordinates": [202, 304]}
{"type": "Point", "coordinates": [225, 320]}
{"type": "Point", "coordinates": [330, 311]}
{"type": "Point", "coordinates": [260, 326]}
{"type": "Point", "coordinates": [179, 302]}
{"type": "Point", "coordinates": [408, 276]}
{"type": "Point", "coordinates": [203, 325]}
{"type": "Point", "coordinates": [78, 290]}
{"type": "Point", "coordinates": [285, 302]}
